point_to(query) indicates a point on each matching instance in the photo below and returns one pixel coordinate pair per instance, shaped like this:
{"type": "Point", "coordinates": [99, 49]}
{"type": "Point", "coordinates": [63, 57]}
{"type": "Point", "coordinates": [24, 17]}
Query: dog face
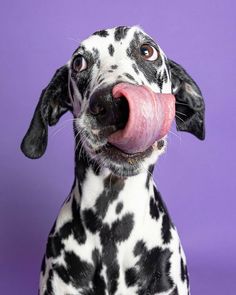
{"type": "Point", "coordinates": [102, 61]}
{"type": "Point", "coordinates": [85, 87]}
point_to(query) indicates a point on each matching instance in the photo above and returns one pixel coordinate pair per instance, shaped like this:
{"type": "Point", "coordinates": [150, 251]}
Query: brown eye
{"type": "Point", "coordinates": [148, 52]}
{"type": "Point", "coordinates": [79, 63]}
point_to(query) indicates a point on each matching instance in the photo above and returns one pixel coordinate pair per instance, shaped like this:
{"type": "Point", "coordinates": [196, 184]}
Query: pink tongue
{"type": "Point", "coordinates": [150, 117]}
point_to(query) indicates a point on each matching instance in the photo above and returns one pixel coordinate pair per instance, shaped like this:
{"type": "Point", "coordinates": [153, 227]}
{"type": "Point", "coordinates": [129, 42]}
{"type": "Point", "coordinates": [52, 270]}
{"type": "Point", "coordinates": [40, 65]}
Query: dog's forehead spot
{"type": "Point", "coordinates": [111, 49]}
{"type": "Point", "coordinates": [118, 37]}
{"type": "Point", "coordinates": [101, 33]}
{"type": "Point", "coordinates": [120, 32]}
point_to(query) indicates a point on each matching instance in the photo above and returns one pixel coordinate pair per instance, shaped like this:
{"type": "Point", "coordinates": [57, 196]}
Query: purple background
{"type": "Point", "coordinates": [197, 179]}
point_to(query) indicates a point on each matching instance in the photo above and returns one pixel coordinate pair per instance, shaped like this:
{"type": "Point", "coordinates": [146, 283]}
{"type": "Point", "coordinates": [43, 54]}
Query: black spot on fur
{"type": "Point", "coordinates": [112, 187]}
{"type": "Point", "coordinates": [43, 265]}
{"type": "Point", "coordinates": [91, 220]}
{"type": "Point", "coordinates": [159, 81]}
{"type": "Point", "coordinates": [54, 246]}
{"type": "Point", "coordinates": [179, 249]}
{"type": "Point", "coordinates": [166, 222]}
{"type": "Point", "coordinates": [105, 234]}
{"type": "Point", "coordinates": [62, 273]}
{"type": "Point", "coordinates": [95, 52]}
{"type": "Point", "coordinates": [135, 68]}
{"type": "Point", "coordinates": [110, 236]}
{"type": "Point", "coordinates": [165, 77]}
{"type": "Point", "coordinates": [110, 71]}
{"type": "Point", "coordinates": [114, 67]}
{"type": "Point", "coordinates": [75, 227]}
{"type": "Point", "coordinates": [139, 248]}
{"type": "Point", "coordinates": [166, 229]}
{"type": "Point", "coordinates": [66, 230]}
{"type": "Point", "coordinates": [78, 272]}
{"type": "Point", "coordinates": [182, 270]}
{"type": "Point", "coordinates": [109, 257]}
{"type": "Point", "coordinates": [113, 278]}
{"type": "Point", "coordinates": [131, 277]}
{"type": "Point", "coordinates": [154, 212]}
{"type": "Point", "coordinates": [122, 228]}
{"type": "Point", "coordinates": [158, 198]}
{"type": "Point", "coordinates": [154, 268]}
{"type": "Point", "coordinates": [111, 49]}
{"type": "Point", "coordinates": [82, 161]}
{"type": "Point", "coordinates": [160, 144]}
{"type": "Point", "coordinates": [120, 33]}
{"type": "Point", "coordinates": [96, 57]}
{"type": "Point", "coordinates": [99, 285]}
{"type": "Point", "coordinates": [149, 175]}
{"type": "Point", "coordinates": [101, 33]}
{"type": "Point", "coordinates": [100, 79]}
{"type": "Point", "coordinates": [186, 274]}
{"type": "Point", "coordinates": [119, 207]}
{"type": "Point", "coordinates": [49, 283]}
{"type": "Point", "coordinates": [129, 76]}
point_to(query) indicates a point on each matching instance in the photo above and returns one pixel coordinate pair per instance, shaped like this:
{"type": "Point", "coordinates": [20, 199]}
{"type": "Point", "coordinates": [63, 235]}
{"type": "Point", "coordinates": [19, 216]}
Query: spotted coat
{"type": "Point", "coordinates": [113, 234]}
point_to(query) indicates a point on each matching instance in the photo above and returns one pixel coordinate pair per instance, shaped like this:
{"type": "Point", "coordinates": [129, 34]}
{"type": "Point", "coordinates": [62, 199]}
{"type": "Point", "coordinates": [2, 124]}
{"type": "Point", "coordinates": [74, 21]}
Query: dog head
{"type": "Point", "coordinates": [85, 86]}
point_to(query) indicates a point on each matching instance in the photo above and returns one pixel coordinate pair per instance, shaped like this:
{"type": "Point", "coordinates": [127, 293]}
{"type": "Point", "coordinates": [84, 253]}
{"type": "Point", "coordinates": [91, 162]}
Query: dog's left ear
{"type": "Point", "coordinates": [53, 103]}
{"type": "Point", "coordinates": [190, 107]}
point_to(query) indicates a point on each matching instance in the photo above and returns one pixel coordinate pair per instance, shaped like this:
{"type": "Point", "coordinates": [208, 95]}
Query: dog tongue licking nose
{"type": "Point", "coordinates": [150, 117]}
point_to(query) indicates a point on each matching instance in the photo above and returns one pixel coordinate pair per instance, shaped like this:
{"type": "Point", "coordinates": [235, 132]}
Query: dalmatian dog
{"type": "Point", "coordinates": [113, 234]}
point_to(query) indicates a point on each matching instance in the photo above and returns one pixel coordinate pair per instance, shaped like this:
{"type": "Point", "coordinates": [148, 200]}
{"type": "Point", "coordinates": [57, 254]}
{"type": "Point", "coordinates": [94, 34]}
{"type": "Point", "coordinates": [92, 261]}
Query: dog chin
{"type": "Point", "coordinates": [120, 163]}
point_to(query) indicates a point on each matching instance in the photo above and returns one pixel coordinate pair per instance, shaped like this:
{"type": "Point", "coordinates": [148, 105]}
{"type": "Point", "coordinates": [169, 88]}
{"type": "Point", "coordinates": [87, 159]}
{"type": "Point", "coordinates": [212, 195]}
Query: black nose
{"type": "Point", "coordinates": [107, 110]}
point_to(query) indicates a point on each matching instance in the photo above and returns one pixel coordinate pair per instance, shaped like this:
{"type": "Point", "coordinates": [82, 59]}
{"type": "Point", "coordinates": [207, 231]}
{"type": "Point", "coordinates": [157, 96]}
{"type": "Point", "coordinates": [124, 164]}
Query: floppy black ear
{"type": "Point", "coordinates": [190, 107]}
{"type": "Point", "coordinates": [53, 103]}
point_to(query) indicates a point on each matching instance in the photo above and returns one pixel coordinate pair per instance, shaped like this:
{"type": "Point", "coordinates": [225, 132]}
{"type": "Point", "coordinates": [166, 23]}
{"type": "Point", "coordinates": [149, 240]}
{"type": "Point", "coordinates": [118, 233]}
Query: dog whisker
{"type": "Point", "coordinates": [62, 126]}
{"type": "Point", "coordinates": [176, 135]}
{"type": "Point", "coordinates": [145, 169]}
{"type": "Point", "coordinates": [182, 103]}
{"type": "Point", "coordinates": [179, 118]}
{"type": "Point", "coordinates": [181, 113]}
{"type": "Point", "coordinates": [73, 39]}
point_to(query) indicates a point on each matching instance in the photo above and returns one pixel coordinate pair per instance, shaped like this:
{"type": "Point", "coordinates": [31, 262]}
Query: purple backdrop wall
{"type": "Point", "coordinates": [197, 179]}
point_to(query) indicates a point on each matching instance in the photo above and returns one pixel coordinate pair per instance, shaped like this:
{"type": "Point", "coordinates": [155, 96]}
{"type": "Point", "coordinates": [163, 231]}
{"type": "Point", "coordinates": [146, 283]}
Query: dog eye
{"type": "Point", "coordinates": [79, 63]}
{"type": "Point", "coordinates": [148, 52]}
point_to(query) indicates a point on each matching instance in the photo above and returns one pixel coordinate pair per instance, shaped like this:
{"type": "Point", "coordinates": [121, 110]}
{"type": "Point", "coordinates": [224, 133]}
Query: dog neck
{"type": "Point", "coordinates": [96, 188]}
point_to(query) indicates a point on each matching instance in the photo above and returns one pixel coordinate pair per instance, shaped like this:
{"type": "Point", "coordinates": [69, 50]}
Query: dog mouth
{"type": "Point", "coordinates": [102, 151]}
{"type": "Point", "coordinates": [99, 148]}
{"type": "Point", "coordinates": [115, 153]}
{"type": "Point", "coordinates": [121, 163]}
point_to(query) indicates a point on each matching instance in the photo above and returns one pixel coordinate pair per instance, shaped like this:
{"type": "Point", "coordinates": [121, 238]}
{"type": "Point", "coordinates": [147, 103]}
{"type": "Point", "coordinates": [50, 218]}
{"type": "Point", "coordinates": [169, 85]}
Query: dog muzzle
{"type": "Point", "coordinates": [149, 120]}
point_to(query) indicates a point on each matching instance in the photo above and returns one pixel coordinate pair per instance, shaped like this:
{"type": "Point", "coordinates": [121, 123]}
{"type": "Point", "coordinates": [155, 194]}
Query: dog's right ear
{"type": "Point", "coordinates": [53, 103]}
{"type": "Point", "coordinates": [190, 106]}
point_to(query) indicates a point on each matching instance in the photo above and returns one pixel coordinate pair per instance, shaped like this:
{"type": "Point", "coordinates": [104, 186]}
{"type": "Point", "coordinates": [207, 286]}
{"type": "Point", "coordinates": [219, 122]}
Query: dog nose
{"type": "Point", "coordinates": [107, 110]}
